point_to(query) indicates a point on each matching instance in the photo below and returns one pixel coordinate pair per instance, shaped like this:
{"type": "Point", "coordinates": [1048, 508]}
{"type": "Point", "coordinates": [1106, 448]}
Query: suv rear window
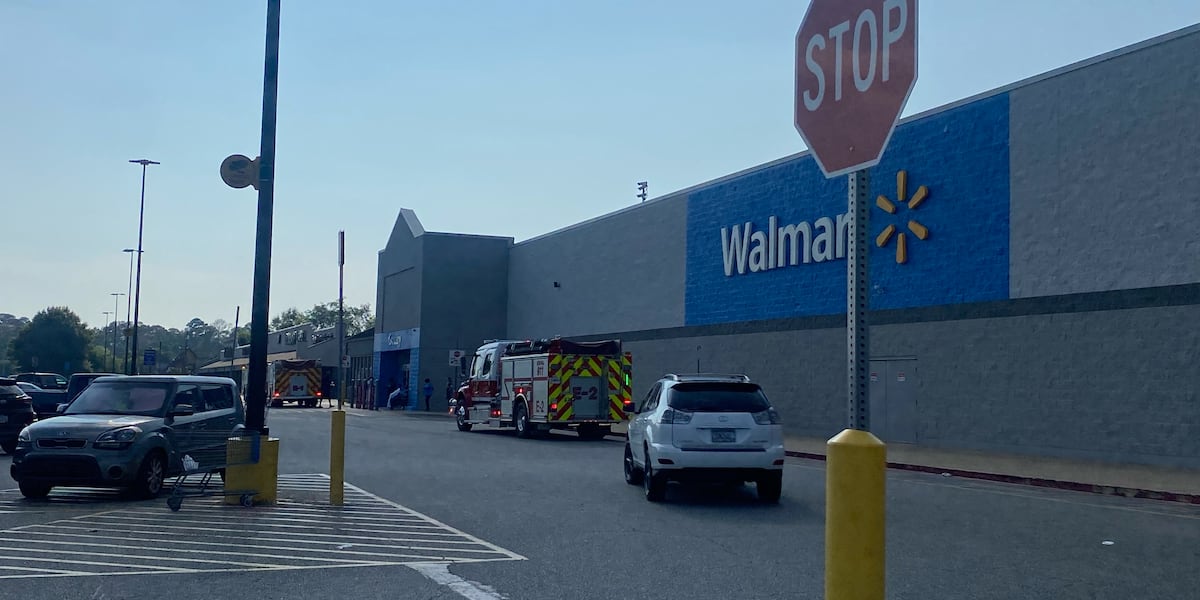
{"type": "Point", "coordinates": [11, 391]}
{"type": "Point", "coordinates": [717, 397]}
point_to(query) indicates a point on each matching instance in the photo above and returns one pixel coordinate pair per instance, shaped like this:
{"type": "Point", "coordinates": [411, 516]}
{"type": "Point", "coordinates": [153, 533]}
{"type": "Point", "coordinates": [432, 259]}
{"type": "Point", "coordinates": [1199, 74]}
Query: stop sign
{"type": "Point", "coordinates": [856, 62]}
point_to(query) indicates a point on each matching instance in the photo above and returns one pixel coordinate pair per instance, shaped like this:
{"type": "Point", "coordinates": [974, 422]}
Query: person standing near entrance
{"type": "Point", "coordinates": [427, 390]}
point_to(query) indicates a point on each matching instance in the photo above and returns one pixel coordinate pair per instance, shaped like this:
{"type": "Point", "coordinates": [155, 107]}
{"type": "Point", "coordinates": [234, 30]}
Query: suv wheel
{"type": "Point", "coordinates": [633, 475]}
{"type": "Point", "coordinates": [150, 476]}
{"type": "Point", "coordinates": [655, 484]}
{"type": "Point", "coordinates": [770, 487]}
{"type": "Point", "coordinates": [34, 491]}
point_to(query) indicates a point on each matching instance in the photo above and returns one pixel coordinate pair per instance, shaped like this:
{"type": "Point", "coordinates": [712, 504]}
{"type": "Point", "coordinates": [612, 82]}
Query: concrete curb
{"type": "Point", "coordinates": [1074, 486]}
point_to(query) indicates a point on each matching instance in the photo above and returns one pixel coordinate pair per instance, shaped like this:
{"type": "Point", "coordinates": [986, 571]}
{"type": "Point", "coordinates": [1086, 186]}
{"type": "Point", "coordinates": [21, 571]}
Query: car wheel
{"type": "Point", "coordinates": [9, 446]}
{"type": "Point", "coordinates": [34, 491]}
{"type": "Point", "coordinates": [633, 475]}
{"type": "Point", "coordinates": [655, 484]}
{"type": "Point", "coordinates": [522, 422]}
{"type": "Point", "coordinates": [150, 476]}
{"type": "Point", "coordinates": [770, 487]}
{"type": "Point", "coordinates": [461, 419]}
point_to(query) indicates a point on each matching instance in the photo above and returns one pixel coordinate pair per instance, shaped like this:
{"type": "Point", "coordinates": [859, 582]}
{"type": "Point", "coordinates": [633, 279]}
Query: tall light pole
{"type": "Point", "coordinates": [128, 303]}
{"type": "Point", "coordinates": [116, 311]}
{"type": "Point", "coordinates": [137, 292]}
{"type": "Point", "coordinates": [256, 385]}
{"type": "Point", "coordinates": [106, 324]}
{"type": "Point", "coordinates": [341, 325]}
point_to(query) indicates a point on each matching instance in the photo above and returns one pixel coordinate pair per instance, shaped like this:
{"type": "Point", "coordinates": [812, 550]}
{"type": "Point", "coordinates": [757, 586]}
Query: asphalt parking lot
{"type": "Point", "coordinates": [433, 512]}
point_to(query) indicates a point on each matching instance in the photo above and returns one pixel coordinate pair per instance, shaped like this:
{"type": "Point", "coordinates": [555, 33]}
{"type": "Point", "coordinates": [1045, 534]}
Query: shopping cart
{"type": "Point", "coordinates": [208, 454]}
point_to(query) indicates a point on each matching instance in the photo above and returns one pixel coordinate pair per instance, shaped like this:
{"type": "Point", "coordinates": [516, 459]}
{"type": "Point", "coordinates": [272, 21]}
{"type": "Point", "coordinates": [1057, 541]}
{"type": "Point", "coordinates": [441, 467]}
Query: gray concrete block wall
{"type": "Point", "coordinates": [1117, 386]}
{"type": "Point", "coordinates": [398, 291]}
{"type": "Point", "coordinates": [1106, 174]}
{"type": "Point", "coordinates": [463, 301]}
{"type": "Point", "coordinates": [621, 272]}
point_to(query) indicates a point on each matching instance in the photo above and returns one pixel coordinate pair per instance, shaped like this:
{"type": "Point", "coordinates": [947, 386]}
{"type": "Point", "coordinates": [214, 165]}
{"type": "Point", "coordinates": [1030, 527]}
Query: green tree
{"type": "Point", "coordinates": [288, 318]}
{"type": "Point", "coordinates": [358, 318]}
{"type": "Point", "coordinates": [10, 325]}
{"type": "Point", "coordinates": [55, 340]}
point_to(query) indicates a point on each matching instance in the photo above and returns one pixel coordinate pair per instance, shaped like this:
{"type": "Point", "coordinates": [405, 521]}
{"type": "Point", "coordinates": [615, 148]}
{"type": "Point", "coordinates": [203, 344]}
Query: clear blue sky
{"type": "Point", "coordinates": [508, 118]}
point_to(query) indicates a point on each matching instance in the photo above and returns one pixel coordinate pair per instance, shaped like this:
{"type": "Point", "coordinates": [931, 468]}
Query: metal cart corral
{"type": "Point", "coordinates": [209, 454]}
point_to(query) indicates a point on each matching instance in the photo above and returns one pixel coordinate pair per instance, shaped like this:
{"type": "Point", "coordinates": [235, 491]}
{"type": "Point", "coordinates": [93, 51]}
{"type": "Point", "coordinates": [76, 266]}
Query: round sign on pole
{"type": "Point", "coordinates": [856, 63]}
{"type": "Point", "coordinates": [238, 171]}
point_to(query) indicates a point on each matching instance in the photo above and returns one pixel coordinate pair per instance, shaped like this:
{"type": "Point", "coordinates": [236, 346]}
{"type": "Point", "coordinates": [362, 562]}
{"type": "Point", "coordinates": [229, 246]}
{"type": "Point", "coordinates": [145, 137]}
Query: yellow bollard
{"type": "Point", "coordinates": [337, 458]}
{"type": "Point", "coordinates": [854, 516]}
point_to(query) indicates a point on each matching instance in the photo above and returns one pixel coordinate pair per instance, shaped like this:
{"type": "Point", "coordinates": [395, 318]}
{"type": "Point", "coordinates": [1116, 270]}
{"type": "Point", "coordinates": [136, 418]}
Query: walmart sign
{"type": "Point", "coordinates": [772, 243]}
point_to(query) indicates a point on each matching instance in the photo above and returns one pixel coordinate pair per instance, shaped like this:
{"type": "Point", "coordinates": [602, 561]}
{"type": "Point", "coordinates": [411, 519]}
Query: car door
{"type": "Point", "coordinates": [215, 424]}
{"type": "Point", "coordinates": [186, 429]}
{"type": "Point", "coordinates": [220, 417]}
{"type": "Point", "coordinates": [637, 427]}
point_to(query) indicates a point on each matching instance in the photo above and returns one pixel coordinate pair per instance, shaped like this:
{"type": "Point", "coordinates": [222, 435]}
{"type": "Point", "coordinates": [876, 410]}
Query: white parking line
{"type": "Point", "coordinates": [208, 536]}
{"type": "Point", "coordinates": [440, 574]}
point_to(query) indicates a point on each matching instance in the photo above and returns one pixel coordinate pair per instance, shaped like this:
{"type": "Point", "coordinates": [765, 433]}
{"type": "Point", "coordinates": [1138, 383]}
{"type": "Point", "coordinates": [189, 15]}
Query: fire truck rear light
{"type": "Point", "coordinates": [276, 394]}
{"type": "Point", "coordinates": [554, 407]}
{"type": "Point", "coordinates": [318, 394]}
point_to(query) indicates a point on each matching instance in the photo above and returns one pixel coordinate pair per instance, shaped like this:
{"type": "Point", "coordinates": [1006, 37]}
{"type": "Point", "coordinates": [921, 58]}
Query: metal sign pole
{"type": "Point", "coordinates": [341, 333]}
{"type": "Point", "coordinates": [857, 300]}
{"type": "Point", "coordinates": [256, 395]}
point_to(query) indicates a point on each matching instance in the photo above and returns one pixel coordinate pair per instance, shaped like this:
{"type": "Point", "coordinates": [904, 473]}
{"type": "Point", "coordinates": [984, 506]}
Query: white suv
{"type": "Point", "coordinates": [707, 428]}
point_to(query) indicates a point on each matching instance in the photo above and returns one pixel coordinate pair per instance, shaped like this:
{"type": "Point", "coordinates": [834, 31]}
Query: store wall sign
{"type": "Point", "coordinates": [774, 242]}
{"type": "Point", "coordinates": [747, 248]}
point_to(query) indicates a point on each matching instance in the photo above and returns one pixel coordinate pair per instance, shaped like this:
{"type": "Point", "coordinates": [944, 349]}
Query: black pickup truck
{"type": "Point", "coordinates": [45, 402]}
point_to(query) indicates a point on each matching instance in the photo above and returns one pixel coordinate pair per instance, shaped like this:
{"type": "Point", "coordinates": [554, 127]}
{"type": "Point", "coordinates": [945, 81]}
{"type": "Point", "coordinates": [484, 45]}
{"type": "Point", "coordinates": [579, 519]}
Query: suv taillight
{"type": "Point", "coordinates": [674, 416]}
{"type": "Point", "coordinates": [767, 417]}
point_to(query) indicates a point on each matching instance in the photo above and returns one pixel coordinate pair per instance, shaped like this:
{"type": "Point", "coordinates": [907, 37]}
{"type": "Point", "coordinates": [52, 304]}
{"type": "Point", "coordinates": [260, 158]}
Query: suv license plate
{"type": "Point", "coordinates": [720, 436]}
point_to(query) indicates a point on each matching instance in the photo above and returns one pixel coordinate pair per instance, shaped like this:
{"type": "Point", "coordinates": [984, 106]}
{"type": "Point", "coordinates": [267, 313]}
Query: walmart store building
{"type": "Point", "coordinates": [1035, 274]}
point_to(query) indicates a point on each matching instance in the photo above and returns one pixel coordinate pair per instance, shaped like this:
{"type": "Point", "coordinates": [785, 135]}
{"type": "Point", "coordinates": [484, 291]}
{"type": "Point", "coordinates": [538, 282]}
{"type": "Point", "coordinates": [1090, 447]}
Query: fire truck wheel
{"type": "Point", "coordinates": [461, 419]}
{"type": "Point", "coordinates": [633, 475]}
{"type": "Point", "coordinates": [521, 422]}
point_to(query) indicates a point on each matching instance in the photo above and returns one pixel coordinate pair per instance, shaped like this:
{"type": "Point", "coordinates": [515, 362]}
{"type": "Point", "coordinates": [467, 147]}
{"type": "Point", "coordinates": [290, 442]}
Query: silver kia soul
{"type": "Point", "coordinates": [128, 432]}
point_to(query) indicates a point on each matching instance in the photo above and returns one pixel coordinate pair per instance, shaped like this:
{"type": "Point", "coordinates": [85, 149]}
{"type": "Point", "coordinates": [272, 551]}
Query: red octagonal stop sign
{"type": "Point", "coordinates": [856, 62]}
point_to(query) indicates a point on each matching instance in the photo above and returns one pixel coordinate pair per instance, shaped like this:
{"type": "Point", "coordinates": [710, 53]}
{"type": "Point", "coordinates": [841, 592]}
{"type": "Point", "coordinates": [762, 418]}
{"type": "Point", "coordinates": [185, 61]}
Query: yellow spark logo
{"type": "Point", "coordinates": [917, 229]}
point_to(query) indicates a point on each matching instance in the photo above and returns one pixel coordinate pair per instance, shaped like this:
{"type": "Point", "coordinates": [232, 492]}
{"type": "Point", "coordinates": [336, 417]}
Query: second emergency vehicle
{"type": "Point", "coordinates": [536, 386]}
{"type": "Point", "coordinates": [296, 381]}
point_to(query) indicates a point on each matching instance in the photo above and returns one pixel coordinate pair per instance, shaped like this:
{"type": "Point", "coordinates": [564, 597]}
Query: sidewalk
{"type": "Point", "coordinates": [1138, 481]}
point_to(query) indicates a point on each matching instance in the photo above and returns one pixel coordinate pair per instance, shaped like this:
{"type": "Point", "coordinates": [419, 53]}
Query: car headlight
{"type": "Point", "coordinates": [117, 438]}
{"type": "Point", "coordinates": [23, 437]}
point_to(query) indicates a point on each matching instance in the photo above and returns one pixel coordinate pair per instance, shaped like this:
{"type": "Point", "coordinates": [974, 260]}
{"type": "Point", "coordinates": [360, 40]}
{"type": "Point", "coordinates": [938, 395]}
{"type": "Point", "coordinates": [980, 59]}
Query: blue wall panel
{"type": "Point", "coordinates": [960, 155]}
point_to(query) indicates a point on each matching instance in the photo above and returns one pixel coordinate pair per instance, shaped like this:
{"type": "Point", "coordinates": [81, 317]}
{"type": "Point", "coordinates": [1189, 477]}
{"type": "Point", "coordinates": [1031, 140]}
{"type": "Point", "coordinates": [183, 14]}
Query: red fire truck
{"type": "Point", "coordinates": [536, 386]}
